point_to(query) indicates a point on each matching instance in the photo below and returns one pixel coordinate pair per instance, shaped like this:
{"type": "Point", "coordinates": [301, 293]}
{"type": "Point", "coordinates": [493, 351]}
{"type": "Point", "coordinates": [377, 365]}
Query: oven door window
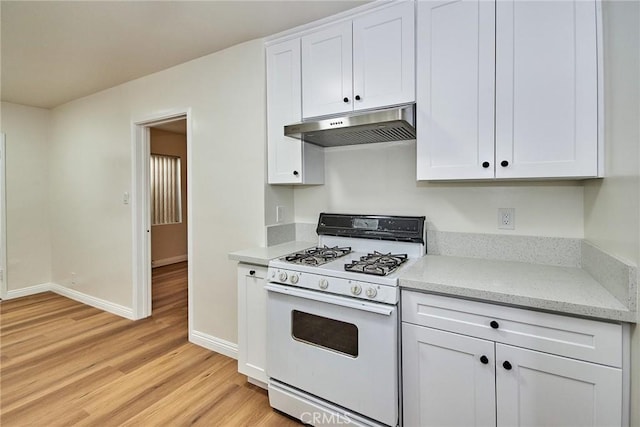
{"type": "Point", "coordinates": [330, 334]}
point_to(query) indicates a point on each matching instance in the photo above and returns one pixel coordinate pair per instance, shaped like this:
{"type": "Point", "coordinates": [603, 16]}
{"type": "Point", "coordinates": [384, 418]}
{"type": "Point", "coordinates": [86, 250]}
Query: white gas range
{"type": "Point", "coordinates": [332, 321]}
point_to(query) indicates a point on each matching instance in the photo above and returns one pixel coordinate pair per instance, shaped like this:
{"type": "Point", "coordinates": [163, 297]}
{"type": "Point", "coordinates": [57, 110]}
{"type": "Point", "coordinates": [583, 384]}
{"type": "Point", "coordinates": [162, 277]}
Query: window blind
{"type": "Point", "coordinates": [166, 197]}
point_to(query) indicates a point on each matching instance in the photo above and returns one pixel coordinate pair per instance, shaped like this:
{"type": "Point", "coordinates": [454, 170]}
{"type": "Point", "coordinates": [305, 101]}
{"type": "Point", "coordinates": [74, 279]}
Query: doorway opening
{"type": "Point", "coordinates": [168, 203]}
{"type": "Point", "coordinates": [162, 213]}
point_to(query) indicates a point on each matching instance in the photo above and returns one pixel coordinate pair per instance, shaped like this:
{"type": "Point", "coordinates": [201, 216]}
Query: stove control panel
{"type": "Point", "coordinates": [335, 285]}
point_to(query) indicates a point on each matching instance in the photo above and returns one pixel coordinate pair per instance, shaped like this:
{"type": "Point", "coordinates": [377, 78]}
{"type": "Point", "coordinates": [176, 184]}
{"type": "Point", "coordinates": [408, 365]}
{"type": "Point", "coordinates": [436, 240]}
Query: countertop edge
{"type": "Point", "coordinates": [558, 307]}
{"type": "Point", "coordinates": [262, 255]}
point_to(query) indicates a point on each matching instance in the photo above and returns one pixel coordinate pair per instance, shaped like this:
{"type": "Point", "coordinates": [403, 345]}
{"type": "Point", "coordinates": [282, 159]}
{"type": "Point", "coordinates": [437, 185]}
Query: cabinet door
{"type": "Point", "coordinates": [547, 89]}
{"type": "Point", "coordinates": [283, 108]}
{"type": "Point", "coordinates": [444, 380]}
{"type": "Point", "coordinates": [545, 390]}
{"type": "Point", "coordinates": [252, 321]}
{"type": "Point", "coordinates": [455, 97]}
{"type": "Point", "coordinates": [327, 71]}
{"type": "Point", "coordinates": [383, 57]}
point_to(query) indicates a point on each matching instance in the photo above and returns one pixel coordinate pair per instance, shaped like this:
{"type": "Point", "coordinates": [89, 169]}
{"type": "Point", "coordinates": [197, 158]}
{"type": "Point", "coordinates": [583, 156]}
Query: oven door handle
{"type": "Point", "coordinates": [376, 308]}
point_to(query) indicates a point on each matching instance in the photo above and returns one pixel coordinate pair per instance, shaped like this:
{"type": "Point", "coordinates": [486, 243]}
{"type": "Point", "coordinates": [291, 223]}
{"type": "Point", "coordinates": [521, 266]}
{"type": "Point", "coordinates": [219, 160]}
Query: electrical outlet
{"type": "Point", "coordinates": [73, 278]}
{"type": "Point", "coordinates": [507, 218]}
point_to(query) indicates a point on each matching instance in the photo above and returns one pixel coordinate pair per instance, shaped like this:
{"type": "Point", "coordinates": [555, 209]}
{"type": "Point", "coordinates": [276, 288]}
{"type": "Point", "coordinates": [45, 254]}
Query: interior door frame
{"type": "Point", "coordinates": [141, 209]}
{"type": "Point", "coordinates": [3, 218]}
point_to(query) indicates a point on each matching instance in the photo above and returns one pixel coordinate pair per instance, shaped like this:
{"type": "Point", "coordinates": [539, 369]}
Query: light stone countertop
{"type": "Point", "coordinates": [262, 255]}
{"type": "Point", "coordinates": [567, 290]}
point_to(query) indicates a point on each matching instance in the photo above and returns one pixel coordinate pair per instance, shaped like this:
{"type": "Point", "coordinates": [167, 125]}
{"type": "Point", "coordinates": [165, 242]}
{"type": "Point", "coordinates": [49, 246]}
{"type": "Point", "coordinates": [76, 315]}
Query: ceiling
{"type": "Point", "coordinates": [55, 51]}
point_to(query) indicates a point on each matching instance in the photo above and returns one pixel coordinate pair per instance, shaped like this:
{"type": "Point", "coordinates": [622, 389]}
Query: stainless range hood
{"type": "Point", "coordinates": [393, 124]}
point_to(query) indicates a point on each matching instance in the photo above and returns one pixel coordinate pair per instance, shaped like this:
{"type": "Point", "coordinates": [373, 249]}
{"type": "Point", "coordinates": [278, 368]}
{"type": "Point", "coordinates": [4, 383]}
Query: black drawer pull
{"type": "Point", "coordinates": [252, 272]}
{"type": "Point", "coordinates": [506, 365]}
{"type": "Point", "coordinates": [494, 324]}
{"type": "Point", "coordinates": [484, 359]}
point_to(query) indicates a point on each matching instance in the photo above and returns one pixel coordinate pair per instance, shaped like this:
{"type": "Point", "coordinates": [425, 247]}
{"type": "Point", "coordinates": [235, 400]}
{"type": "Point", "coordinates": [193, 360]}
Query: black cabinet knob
{"type": "Point", "coordinates": [494, 324]}
{"type": "Point", "coordinates": [357, 97]}
{"type": "Point", "coordinates": [252, 272]}
{"type": "Point", "coordinates": [485, 164]}
{"type": "Point", "coordinates": [504, 163]}
{"type": "Point", "coordinates": [345, 99]}
{"type": "Point", "coordinates": [484, 359]}
{"type": "Point", "coordinates": [295, 173]}
{"type": "Point", "coordinates": [506, 365]}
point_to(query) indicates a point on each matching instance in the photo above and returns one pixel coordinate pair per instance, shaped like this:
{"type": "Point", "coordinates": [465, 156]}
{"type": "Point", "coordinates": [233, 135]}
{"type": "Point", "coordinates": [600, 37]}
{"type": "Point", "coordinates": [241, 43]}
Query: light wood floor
{"type": "Point", "coordinates": [64, 363]}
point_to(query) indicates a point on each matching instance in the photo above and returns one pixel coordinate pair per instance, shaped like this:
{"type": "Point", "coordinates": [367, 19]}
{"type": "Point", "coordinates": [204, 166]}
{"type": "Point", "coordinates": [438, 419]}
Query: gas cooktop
{"type": "Point", "coordinates": [317, 256]}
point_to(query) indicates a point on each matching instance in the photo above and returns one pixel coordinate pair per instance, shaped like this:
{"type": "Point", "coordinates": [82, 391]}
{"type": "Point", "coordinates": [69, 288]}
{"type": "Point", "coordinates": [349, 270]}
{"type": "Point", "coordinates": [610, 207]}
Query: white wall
{"type": "Point", "coordinates": [27, 176]}
{"type": "Point", "coordinates": [91, 162]}
{"type": "Point", "coordinates": [612, 205]}
{"type": "Point", "coordinates": [381, 179]}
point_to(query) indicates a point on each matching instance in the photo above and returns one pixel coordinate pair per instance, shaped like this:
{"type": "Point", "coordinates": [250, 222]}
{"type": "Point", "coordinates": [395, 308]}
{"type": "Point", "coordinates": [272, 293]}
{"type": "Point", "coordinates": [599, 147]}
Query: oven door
{"type": "Point", "coordinates": [336, 348]}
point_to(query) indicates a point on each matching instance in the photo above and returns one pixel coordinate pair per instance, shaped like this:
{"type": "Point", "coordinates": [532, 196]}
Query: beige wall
{"type": "Point", "coordinates": [612, 205]}
{"type": "Point", "coordinates": [170, 240]}
{"type": "Point", "coordinates": [91, 164]}
{"type": "Point", "coordinates": [381, 179]}
{"type": "Point", "coordinates": [27, 177]}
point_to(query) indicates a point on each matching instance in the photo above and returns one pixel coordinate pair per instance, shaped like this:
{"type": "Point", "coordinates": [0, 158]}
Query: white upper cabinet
{"type": "Point", "coordinates": [547, 90]}
{"type": "Point", "coordinates": [290, 161]}
{"type": "Point", "coordinates": [361, 64]}
{"type": "Point", "coordinates": [384, 57]}
{"type": "Point", "coordinates": [326, 64]}
{"type": "Point", "coordinates": [456, 75]}
{"type": "Point", "coordinates": [536, 62]}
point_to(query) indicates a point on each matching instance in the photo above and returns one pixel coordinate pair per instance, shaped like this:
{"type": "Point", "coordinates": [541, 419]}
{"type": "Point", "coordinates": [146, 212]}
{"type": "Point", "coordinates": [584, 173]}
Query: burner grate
{"type": "Point", "coordinates": [318, 255]}
{"type": "Point", "coordinates": [377, 263]}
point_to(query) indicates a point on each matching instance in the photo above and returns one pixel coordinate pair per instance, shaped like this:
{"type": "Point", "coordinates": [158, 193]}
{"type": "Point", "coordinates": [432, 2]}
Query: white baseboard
{"type": "Point", "coordinates": [171, 260]}
{"type": "Point", "coordinates": [29, 290]}
{"type": "Point", "coordinates": [73, 294]}
{"type": "Point", "coordinates": [117, 309]}
{"type": "Point", "coordinates": [214, 344]}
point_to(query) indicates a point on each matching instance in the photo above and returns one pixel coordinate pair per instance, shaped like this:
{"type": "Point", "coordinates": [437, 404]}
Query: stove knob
{"type": "Point", "coordinates": [323, 284]}
{"type": "Point", "coordinates": [294, 278]}
{"type": "Point", "coordinates": [356, 289]}
{"type": "Point", "coordinates": [283, 276]}
{"type": "Point", "coordinates": [371, 292]}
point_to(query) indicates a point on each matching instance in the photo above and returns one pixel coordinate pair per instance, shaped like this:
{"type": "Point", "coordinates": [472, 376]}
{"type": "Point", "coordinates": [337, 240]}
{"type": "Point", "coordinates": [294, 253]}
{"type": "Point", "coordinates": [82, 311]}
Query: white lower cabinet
{"type": "Point", "coordinates": [455, 379]}
{"type": "Point", "coordinates": [252, 321]}
{"type": "Point", "coordinates": [539, 389]}
{"type": "Point", "coordinates": [444, 382]}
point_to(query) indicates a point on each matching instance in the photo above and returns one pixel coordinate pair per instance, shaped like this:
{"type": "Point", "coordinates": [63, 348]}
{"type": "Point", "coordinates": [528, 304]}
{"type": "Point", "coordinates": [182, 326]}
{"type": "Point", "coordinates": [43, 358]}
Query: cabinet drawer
{"type": "Point", "coordinates": [583, 339]}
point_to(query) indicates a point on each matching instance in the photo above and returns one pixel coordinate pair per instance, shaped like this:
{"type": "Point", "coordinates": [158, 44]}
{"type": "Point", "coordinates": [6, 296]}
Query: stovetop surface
{"type": "Point", "coordinates": [377, 263]}
{"type": "Point", "coordinates": [336, 268]}
{"type": "Point", "coordinates": [318, 255]}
